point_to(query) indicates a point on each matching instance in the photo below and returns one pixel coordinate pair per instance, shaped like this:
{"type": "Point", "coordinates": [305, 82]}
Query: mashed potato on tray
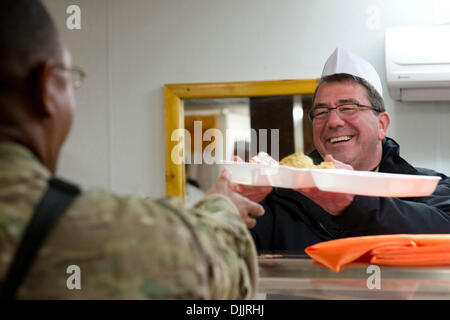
{"type": "Point", "coordinates": [296, 160]}
{"type": "Point", "coordinates": [300, 160]}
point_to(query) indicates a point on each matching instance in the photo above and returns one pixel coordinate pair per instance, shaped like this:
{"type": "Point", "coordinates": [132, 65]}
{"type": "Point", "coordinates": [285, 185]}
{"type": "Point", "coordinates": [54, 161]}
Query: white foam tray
{"type": "Point", "coordinates": [333, 180]}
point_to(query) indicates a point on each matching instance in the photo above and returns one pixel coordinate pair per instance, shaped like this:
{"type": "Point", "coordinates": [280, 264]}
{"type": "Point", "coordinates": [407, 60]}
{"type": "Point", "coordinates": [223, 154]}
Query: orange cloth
{"type": "Point", "coordinates": [393, 250]}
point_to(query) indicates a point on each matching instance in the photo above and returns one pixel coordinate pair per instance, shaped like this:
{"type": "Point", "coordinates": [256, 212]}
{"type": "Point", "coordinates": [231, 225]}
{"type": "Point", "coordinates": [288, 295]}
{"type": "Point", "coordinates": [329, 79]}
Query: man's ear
{"type": "Point", "coordinates": [383, 124]}
{"type": "Point", "coordinates": [44, 84]}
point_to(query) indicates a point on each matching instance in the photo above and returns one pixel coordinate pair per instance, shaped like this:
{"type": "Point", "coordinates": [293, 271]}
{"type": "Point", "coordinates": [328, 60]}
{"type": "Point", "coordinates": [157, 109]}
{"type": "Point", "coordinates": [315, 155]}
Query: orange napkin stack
{"type": "Point", "coordinates": [393, 250]}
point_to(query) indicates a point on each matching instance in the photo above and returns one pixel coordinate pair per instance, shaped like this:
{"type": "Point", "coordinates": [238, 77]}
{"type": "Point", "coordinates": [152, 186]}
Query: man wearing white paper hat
{"type": "Point", "coordinates": [343, 123]}
{"type": "Point", "coordinates": [349, 128]}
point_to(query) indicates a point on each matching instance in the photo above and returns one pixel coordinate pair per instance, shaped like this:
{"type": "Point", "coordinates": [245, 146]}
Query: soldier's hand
{"type": "Point", "coordinates": [247, 208]}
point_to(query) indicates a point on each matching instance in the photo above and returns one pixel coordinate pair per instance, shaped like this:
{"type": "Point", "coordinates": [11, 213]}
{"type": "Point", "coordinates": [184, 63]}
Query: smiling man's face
{"type": "Point", "coordinates": [355, 140]}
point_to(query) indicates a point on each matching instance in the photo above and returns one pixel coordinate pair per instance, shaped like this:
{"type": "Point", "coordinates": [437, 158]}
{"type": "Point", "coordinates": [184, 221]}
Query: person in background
{"type": "Point", "coordinates": [349, 129]}
{"type": "Point", "coordinates": [125, 247]}
{"type": "Point", "coordinates": [241, 149]}
{"type": "Point", "coordinates": [194, 192]}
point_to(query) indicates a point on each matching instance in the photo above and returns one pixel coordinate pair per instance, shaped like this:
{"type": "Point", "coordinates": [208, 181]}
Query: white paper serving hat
{"type": "Point", "coordinates": [343, 61]}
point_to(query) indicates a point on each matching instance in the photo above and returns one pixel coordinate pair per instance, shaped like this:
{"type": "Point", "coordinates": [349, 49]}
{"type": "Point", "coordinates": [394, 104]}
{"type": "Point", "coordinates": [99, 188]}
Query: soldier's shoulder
{"type": "Point", "coordinates": [93, 202]}
{"type": "Point", "coordinates": [94, 199]}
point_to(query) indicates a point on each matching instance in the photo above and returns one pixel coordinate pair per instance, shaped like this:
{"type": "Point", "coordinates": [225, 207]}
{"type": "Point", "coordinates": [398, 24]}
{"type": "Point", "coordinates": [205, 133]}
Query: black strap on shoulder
{"type": "Point", "coordinates": [55, 201]}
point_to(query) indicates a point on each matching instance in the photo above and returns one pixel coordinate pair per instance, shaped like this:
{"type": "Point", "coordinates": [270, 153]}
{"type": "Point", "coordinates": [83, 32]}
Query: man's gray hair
{"type": "Point", "coordinates": [376, 100]}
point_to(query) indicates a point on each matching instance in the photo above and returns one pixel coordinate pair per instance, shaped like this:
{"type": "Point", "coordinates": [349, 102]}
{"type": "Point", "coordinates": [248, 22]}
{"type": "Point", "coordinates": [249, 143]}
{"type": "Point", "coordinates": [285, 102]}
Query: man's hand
{"type": "Point", "coordinates": [332, 202]}
{"type": "Point", "coordinates": [254, 193]}
{"type": "Point", "coordinates": [247, 209]}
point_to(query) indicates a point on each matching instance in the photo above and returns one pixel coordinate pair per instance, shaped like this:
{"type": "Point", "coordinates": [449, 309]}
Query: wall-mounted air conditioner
{"type": "Point", "coordinates": [418, 63]}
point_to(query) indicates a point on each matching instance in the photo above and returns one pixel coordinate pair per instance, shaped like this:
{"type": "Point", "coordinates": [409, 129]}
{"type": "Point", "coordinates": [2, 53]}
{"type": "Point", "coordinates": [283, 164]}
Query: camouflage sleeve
{"type": "Point", "coordinates": [228, 248]}
{"type": "Point", "coordinates": [128, 248]}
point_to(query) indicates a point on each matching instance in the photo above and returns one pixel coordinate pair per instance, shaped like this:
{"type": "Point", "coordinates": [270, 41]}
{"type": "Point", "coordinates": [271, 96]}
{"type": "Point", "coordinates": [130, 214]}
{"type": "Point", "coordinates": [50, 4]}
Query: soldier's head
{"type": "Point", "coordinates": [36, 94]}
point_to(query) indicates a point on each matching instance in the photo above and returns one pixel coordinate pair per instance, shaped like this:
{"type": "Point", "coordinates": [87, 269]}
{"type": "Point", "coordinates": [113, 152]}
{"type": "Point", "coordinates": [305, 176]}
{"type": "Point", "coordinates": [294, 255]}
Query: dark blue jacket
{"type": "Point", "coordinates": [292, 221]}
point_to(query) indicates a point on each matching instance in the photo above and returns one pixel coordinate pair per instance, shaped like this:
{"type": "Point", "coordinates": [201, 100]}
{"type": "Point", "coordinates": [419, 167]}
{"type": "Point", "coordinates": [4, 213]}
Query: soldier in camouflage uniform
{"type": "Point", "coordinates": [125, 247]}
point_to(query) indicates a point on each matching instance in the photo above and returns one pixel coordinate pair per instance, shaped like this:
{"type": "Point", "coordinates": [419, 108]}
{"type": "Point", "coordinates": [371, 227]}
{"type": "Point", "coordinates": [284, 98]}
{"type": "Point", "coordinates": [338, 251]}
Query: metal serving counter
{"type": "Point", "coordinates": [297, 277]}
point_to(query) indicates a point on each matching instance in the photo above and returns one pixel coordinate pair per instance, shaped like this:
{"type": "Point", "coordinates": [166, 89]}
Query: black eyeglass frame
{"type": "Point", "coordinates": [311, 111]}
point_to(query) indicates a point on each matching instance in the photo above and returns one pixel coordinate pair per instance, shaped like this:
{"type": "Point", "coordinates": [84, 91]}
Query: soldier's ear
{"type": "Point", "coordinates": [44, 84]}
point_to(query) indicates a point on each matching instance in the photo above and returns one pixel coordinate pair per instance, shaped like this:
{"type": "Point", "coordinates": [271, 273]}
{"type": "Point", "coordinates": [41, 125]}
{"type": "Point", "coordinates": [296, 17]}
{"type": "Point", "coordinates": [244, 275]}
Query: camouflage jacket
{"type": "Point", "coordinates": [125, 247]}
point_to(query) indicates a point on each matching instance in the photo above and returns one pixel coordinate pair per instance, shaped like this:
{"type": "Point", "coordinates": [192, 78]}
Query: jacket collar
{"type": "Point", "coordinates": [391, 161]}
{"type": "Point", "coordinates": [16, 154]}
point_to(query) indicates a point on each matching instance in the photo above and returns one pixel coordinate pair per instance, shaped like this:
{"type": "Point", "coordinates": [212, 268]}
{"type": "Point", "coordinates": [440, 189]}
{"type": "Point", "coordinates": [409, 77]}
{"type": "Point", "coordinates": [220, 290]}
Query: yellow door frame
{"type": "Point", "coordinates": [174, 112]}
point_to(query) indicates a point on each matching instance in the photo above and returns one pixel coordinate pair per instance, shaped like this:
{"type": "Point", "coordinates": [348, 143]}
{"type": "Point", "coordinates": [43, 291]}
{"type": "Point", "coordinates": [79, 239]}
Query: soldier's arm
{"type": "Point", "coordinates": [225, 245]}
{"type": "Point", "coordinates": [128, 248]}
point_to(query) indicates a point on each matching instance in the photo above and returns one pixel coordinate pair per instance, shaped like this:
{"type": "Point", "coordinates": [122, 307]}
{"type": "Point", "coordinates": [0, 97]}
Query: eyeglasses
{"type": "Point", "coordinates": [344, 111]}
{"type": "Point", "coordinates": [77, 75]}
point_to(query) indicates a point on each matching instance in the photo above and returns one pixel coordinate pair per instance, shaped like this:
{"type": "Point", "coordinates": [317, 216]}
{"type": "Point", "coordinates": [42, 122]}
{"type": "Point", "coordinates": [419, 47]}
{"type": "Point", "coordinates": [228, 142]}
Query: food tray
{"type": "Point", "coordinates": [365, 183]}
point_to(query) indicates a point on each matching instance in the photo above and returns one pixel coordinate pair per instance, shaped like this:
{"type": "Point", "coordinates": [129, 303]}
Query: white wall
{"type": "Point", "coordinates": [86, 155]}
{"type": "Point", "coordinates": [130, 49]}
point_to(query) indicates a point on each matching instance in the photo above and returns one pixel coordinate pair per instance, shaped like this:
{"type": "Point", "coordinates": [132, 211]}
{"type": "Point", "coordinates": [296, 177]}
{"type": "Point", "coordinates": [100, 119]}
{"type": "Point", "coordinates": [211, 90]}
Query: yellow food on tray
{"type": "Point", "coordinates": [326, 165]}
{"type": "Point", "coordinates": [300, 160]}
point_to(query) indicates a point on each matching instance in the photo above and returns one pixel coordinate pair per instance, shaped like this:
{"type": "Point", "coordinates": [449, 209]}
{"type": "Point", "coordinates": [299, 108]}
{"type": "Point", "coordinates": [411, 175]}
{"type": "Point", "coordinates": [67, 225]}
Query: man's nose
{"type": "Point", "coordinates": [334, 120]}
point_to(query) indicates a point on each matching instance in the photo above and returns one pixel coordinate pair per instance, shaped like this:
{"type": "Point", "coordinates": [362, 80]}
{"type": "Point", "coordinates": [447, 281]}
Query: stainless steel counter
{"type": "Point", "coordinates": [287, 277]}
